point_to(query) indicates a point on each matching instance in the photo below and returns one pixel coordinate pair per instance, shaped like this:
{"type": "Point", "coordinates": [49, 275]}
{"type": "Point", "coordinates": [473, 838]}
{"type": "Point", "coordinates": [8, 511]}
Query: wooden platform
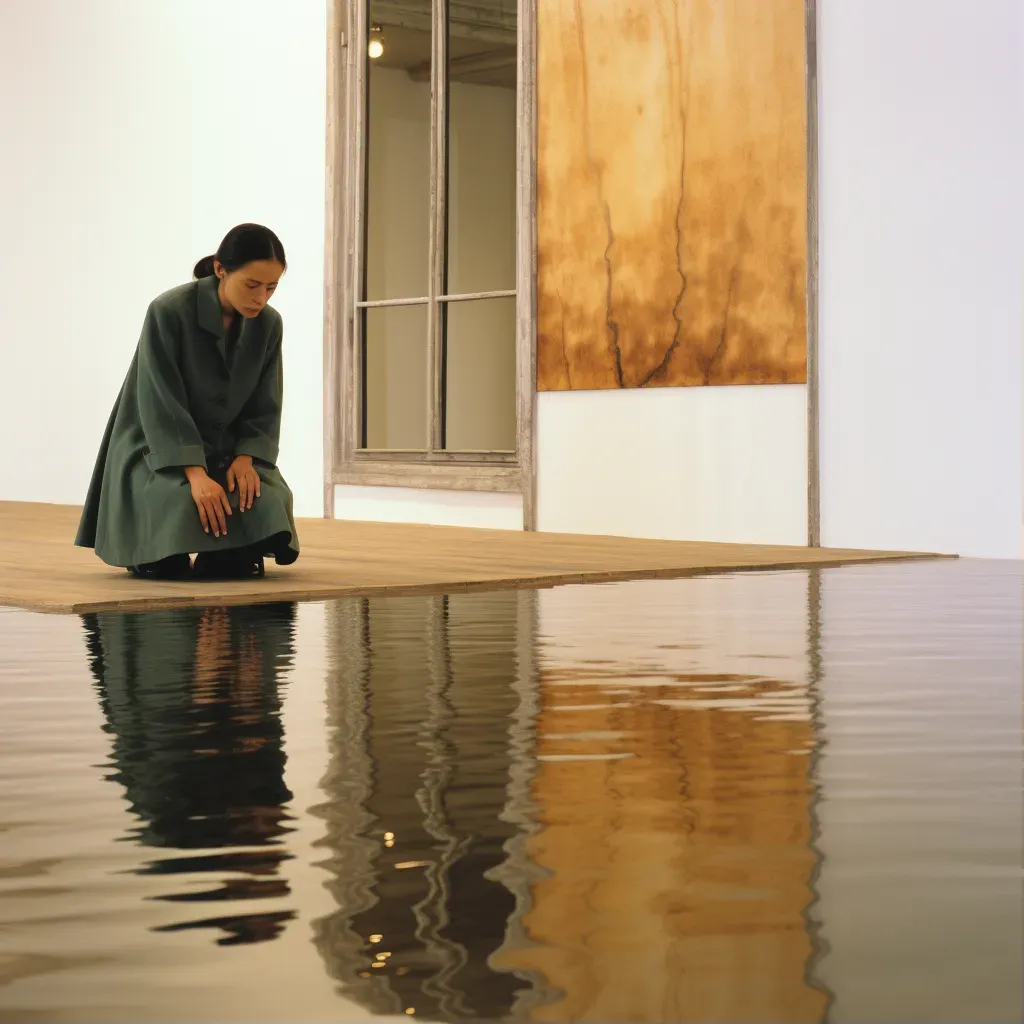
{"type": "Point", "coordinates": [41, 569]}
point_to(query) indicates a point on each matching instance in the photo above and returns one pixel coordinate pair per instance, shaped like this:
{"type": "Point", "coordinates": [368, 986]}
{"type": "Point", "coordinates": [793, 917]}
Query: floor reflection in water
{"type": "Point", "coordinates": [789, 797]}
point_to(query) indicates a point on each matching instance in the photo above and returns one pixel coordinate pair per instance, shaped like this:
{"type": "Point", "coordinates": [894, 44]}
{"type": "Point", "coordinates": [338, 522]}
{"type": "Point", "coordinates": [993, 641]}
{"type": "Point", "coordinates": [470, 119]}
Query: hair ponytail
{"type": "Point", "coordinates": [243, 244]}
{"type": "Point", "coordinates": [204, 268]}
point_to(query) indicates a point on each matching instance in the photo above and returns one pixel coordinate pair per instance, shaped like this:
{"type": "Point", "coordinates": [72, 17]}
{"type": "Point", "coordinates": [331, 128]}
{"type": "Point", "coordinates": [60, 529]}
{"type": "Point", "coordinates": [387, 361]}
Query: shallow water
{"type": "Point", "coordinates": [790, 797]}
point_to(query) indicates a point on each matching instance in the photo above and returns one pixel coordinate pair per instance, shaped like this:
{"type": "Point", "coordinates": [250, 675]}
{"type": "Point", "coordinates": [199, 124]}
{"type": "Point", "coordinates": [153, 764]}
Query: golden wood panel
{"type": "Point", "coordinates": [672, 193]}
{"type": "Point", "coordinates": [39, 567]}
{"type": "Point", "coordinates": [681, 860]}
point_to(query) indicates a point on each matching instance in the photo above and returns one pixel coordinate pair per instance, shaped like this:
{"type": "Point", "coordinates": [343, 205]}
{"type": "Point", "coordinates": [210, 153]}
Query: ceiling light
{"type": "Point", "coordinates": [376, 47]}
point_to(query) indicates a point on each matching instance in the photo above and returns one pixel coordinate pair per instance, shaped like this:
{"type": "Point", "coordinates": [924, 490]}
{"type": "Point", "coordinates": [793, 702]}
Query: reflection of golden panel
{"type": "Point", "coordinates": [680, 850]}
{"type": "Point", "coordinates": [672, 193]}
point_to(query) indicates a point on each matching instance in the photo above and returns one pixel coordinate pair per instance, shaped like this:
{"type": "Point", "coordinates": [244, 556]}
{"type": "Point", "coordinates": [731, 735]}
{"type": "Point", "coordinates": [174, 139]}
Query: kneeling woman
{"type": "Point", "coordinates": [188, 460]}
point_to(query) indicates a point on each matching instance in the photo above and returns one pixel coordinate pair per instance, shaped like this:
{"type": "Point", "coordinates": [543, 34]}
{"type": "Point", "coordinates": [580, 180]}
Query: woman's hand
{"type": "Point", "coordinates": [210, 499]}
{"type": "Point", "coordinates": [241, 474]}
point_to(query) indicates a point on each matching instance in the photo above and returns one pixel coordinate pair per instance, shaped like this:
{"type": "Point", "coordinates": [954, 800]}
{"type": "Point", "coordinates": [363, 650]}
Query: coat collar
{"type": "Point", "coordinates": [211, 316]}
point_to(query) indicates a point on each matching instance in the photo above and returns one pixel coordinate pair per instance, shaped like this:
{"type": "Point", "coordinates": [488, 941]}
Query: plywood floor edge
{"type": "Point", "coordinates": [41, 570]}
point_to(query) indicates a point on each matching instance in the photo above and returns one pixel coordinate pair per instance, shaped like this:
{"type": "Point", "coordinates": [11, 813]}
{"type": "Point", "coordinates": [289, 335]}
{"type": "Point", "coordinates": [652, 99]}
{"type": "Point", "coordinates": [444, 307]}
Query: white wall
{"type": "Point", "coordinates": [476, 509]}
{"type": "Point", "coordinates": [922, 267]}
{"type": "Point", "coordinates": [134, 136]}
{"type": "Point", "coordinates": [703, 464]}
{"type": "Point", "coordinates": [921, 329]}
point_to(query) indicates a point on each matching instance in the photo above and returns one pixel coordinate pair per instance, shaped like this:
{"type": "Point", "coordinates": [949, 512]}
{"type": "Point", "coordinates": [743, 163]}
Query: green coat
{"type": "Point", "coordinates": [189, 401]}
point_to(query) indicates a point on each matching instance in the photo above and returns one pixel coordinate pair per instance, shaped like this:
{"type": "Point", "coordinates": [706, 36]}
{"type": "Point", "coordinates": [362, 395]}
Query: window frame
{"type": "Point", "coordinates": [344, 461]}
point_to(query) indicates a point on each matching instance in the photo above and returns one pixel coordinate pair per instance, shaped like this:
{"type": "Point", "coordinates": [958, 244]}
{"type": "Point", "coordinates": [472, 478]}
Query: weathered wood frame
{"type": "Point", "coordinates": [813, 392]}
{"type": "Point", "coordinates": [345, 462]}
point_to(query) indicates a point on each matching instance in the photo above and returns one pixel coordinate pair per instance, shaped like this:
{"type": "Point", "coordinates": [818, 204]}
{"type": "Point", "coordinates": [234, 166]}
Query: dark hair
{"type": "Point", "coordinates": [243, 244]}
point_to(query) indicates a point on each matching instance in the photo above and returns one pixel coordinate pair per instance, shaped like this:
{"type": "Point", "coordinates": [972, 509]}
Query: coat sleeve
{"type": "Point", "coordinates": [171, 434]}
{"type": "Point", "coordinates": [257, 430]}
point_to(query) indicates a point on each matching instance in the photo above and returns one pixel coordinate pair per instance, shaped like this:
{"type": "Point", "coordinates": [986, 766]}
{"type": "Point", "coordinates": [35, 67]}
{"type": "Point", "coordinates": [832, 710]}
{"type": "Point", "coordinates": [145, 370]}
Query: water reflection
{"type": "Point", "coordinates": [417, 804]}
{"type": "Point", "coordinates": [659, 852]}
{"type": "Point", "coordinates": [677, 807]}
{"type": "Point", "coordinates": [192, 701]}
{"type": "Point", "coordinates": [779, 796]}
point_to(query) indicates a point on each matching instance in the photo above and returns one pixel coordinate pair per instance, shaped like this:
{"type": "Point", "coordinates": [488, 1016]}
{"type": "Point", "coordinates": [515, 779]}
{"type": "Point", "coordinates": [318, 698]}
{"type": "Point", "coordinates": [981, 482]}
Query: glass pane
{"type": "Point", "coordinates": [480, 378]}
{"type": "Point", "coordinates": [481, 146]}
{"type": "Point", "coordinates": [395, 346]}
{"type": "Point", "coordinates": [398, 149]}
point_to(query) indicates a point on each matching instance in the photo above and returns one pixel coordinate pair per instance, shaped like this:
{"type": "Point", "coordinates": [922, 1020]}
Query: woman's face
{"type": "Point", "coordinates": [248, 290]}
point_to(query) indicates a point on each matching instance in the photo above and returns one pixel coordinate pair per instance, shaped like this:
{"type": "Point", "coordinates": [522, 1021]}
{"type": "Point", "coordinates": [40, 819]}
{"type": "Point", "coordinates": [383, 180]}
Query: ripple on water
{"type": "Point", "coordinates": [763, 796]}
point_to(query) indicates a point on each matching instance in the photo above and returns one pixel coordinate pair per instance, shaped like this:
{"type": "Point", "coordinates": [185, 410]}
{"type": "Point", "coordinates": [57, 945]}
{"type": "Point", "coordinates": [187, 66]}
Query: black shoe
{"type": "Point", "coordinates": [234, 564]}
{"type": "Point", "coordinates": [174, 567]}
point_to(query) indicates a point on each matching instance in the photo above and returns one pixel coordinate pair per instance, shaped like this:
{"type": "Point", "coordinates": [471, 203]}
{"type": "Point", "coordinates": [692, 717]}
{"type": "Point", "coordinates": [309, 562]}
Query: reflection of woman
{"type": "Point", "coordinates": [191, 699]}
{"type": "Point", "coordinates": [194, 434]}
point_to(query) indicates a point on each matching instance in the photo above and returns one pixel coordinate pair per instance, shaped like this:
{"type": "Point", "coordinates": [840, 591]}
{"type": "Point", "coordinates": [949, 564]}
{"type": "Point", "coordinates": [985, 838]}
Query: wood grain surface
{"type": "Point", "coordinates": [672, 193]}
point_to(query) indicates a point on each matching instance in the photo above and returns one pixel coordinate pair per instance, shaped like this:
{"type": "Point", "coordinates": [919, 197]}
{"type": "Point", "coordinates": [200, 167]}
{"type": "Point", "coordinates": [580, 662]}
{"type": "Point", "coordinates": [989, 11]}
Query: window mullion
{"type": "Point", "coordinates": [438, 218]}
{"type": "Point", "coordinates": [359, 156]}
